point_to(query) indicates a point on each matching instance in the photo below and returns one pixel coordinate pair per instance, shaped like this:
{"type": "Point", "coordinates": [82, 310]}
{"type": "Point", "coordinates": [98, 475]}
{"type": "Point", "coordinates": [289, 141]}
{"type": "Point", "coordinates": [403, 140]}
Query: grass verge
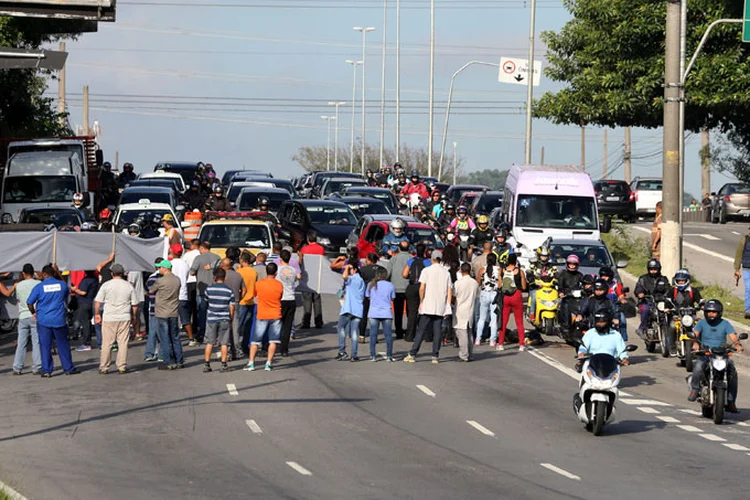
{"type": "Point", "coordinates": [4, 496]}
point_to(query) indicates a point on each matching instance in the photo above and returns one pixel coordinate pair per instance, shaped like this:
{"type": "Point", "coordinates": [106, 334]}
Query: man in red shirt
{"type": "Point", "coordinates": [311, 299]}
{"type": "Point", "coordinates": [415, 186]}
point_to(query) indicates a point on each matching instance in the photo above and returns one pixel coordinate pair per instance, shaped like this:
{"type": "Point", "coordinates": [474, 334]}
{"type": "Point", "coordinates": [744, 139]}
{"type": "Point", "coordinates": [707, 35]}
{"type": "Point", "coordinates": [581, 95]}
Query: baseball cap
{"type": "Point", "coordinates": [117, 269]}
{"type": "Point", "coordinates": [165, 264]}
{"type": "Point", "coordinates": [176, 249]}
{"type": "Point", "coordinates": [437, 254]}
{"type": "Point", "coordinates": [168, 217]}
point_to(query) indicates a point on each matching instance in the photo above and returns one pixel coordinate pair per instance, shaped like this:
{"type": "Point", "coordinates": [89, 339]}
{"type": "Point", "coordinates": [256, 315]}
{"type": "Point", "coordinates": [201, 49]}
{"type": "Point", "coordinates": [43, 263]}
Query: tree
{"type": "Point", "coordinates": [611, 56]}
{"type": "Point", "coordinates": [316, 158]}
{"type": "Point", "coordinates": [493, 178]}
{"type": "Point", "coordinates": [24, 111]}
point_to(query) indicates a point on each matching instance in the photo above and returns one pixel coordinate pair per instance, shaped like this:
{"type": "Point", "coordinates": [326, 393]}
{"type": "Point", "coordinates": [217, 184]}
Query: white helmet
{"type": "Point", "coordinates": [78, 199]}
{"type": "Point", "coordinates": [398, 226]}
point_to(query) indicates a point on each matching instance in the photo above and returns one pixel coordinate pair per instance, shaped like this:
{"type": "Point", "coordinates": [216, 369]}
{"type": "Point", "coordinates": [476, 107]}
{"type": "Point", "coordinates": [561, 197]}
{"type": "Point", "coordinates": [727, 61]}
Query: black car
{"type": "Point", "coordinates": [454, 193]}
{"type": "Point", "coordinates": [184, 168]}
{"type": "Point", "coordinates": [486, 202]}
{"type": "Point", "coordinates": [248, 197]}
{"type": "Point", "coordinates": [382, 194]}
{"type": "Point", "coordinates": [364, 205]}
{"type": "Point", "coordinates": [153, 194]}
{"type": "Point", "coordinates": [331, 220]}
{"type": "Point", "coordinates": [64, 219]}
{"type": "Point", "coordinates": [335, 185]}
{"type": "Point", "coordinates": [315, 183]}
{"type": "Point", "coordinates": [615, 199]}
{"type": "Point", "coordinates": [160, 182]}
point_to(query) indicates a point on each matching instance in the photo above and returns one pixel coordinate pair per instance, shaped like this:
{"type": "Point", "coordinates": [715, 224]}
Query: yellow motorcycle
{"type": "Point", "coordinates": [547, 303]}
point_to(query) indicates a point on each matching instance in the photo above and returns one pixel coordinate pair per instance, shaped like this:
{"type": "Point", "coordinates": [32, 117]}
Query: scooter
{"type": "Point", "coordinates": [713, 392]}
{"type": "Point", "coordinates": [594, 404]}
{"type": "Point", "coordinates": [547, 304]}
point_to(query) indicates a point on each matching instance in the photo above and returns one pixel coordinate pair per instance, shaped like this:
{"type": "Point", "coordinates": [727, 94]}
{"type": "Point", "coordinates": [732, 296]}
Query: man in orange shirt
{"type": "Point", "coordinates": [268, 293]}
{"type": "Point", "coordinates": [247, 302]}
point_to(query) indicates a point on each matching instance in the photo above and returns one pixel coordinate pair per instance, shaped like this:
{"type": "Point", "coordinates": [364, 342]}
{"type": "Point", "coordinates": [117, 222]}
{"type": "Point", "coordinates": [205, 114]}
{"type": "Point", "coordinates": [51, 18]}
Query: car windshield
{"type": "Point", "coordinates": [488, 202]}
{"type": "Point", "coordinates": [56, 217]}
{"type": "Point", "coordinates": [612, 188]}
{"type": "Point", "coordinates": [153, 196]}
{"type": "Point", "coordinates": [457, 193]}
{"type": "Point", "coordinates": [417, 235]}
{"type": "Point", "coordinates": [588, 255]}
{"type": "Point", "coordinates": [127, 217]}
{"type": "Point", "coordinates": [378, 195]}
{"type": "Point", "coordinates": [335, 185]}
{"type": "Point", "coordinates": [342, 216]}
{"type": "Point", "coordinates": [561, 212]}
{"type": "Point", "coordinates": [249, 201]}
{"type": "Point", "coordinates": [365, 208]}
{"type": "Point", "coordinates": [236, 235]}
{"type": "Point", "coordinates": [40, 189]}
{"type": "Point", "coordinates": [649, 186]}
{"type": "Point", "coordinates": [187, 172]}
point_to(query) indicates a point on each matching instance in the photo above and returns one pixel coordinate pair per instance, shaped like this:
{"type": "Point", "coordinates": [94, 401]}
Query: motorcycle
{"type": "Point", "coordinates": [547, 304]}
{"type": "Point", "coordinates": [594, 405]}
{"type": "Point", "coordinates": [654, 333]}
{"type": "Point", "coordinates": [569, 306]}
{"type": "Point", "coordinates": [409, 205]}
{"type": "Point", "coordinates": [713, 392]}
{"type": "Point", "coordinates": [682, 320]}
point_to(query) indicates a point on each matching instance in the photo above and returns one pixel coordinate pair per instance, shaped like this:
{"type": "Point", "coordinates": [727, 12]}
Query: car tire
{"type": "Point", "coordinates": [722, 217]}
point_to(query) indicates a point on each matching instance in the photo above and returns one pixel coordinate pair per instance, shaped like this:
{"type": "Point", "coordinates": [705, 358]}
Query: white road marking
{"type": "Point", "coordinates": [648, 409]}
{"type": "Point", "coordinates": [691, 412]}
{"type": "Point", "coordinates": [692, 246]}
{"type": "Point", "coordinates": [712, 437]}
{"type": "Point", "coordinates": [426, 390]}
{"type": "Point", "coordinates": [644, 402]}
{"type": "Point", "coordinates": [736, 447]}
{"type": "Point", "coordinates": [689, 428]}
{"type": "Point", "coordinates": [560, 471]}
{"type": "Point", "coordinates": [735, 232]}
{"type": "Point", "coordinates": [554, 363]}
{"type": "Point", "coordinates": [484, 430]}
{"type": "Point", "coordinates": [232, 390]}
{"type": "Point", "coordinates": [626, 394]}
{"type": "Point", "coordinates": [710, 237]}
{"type": "Point", "coordinates": [254, 426]}
{"type": "Point", "coordinates": [669, 420]}
{"type": "Point", "coordinates": [299, 468]}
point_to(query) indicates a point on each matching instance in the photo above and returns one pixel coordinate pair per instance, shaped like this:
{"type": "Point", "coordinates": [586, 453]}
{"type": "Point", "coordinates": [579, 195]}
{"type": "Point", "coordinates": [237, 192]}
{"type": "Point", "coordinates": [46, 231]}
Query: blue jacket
{"type": "Point", "coordinates": [609, 343]}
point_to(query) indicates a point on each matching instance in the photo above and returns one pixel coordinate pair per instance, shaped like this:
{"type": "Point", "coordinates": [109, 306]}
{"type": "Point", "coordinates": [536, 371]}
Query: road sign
{"type": "Point", "coordinates": [517, 71]}
{"type": "Point", "coordinates": [746, 23]}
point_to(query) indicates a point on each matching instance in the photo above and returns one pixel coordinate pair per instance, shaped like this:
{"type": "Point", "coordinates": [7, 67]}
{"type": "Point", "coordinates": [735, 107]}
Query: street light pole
{"type": "Point", "coordinates": [329, 119]}
{"type": "Point", "coordinates": [432, 87]}
{"type": "Point", "coordinates": [398, 78]}
{"type": "Point", "coordinates": [382, 84]}
{"type": "Point", "coordinates": [354, 110]}
{"type": "Point", "coordinates": [336, 136]}
{"type": "Point", "coordinates": [364, 32]}
{"type": "Point", "coordinates": [530, 82]}
{"type": "Point", "coordinates": [455, 156]}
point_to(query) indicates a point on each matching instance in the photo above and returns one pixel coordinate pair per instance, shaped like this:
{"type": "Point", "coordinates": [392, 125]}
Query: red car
{"type": "Point", "coordinates": [371, 229]}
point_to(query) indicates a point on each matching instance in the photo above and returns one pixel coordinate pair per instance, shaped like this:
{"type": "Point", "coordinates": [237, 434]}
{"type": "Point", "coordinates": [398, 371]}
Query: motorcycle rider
{"type": "Point", "coordinates": [682, 295]}
{"type": "Point", "coordinates": [587, 282]}
{"type": "Point", "coordinates": [86, 214]}
{"type": "Point", "coordinates": [105, 220]}
{"type": "Point", "coordinates": [462, 222]}
{"type": "Point", "coordinates": [370, 178]}
{"type": "Point", "coordinates": [446, 217]}
{"type": "Point", "coordinates": [108, 184]}
{"type": "Point", "coordinates": [127, 176]}
{"type": "Point", "coordinates": [596, 302]}
{"type": "Point", "coordinates": [415, 186]}
{"type": "Point", "coordinates": [616, 294]}
{"type": "Point", "coordinates": [568, 280]}
{"type": "Point", "coordinates": [194, 198]}
{"type": "Point", "coordinates": [433, 201]}
{"type": "Point", "coordinates": [217, 202]}
{"type": "Point", "coordinates": [712, 332]}
{"type": "Point", "coordinates": [538, 269]}
{"type": "Point", "coordinates": [652, 283]}
{"type": "Point", "coordinates": [500, 247]}
{"type": "Point", "coordinates": [396, 235]}
{"type": "Point", "coordinates": [480, 234]}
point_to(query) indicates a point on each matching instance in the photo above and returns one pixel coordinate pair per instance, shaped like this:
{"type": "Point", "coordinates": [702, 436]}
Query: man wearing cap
{"type": "Point", "coordinates": [167, 293]}
{"type": "Point", "coordinates": [181, 269]}
{"type": "Point", "coordinates": [171, 232]}
{"type": "Point", "coordinates": [121, 307]}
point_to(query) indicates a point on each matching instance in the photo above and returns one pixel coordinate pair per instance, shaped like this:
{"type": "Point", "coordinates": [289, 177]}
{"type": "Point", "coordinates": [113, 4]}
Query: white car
{"type": "Point", "coordinates": [160, 174]}
{"type": "Point", "coordinates": [130, 212]}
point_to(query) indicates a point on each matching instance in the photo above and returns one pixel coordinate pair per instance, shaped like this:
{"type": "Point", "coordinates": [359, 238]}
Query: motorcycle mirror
{"type": "Point", "coordinates": [621, 264]}
{"type": "Point", "coordinates": [626, 289]}
{"type": "Point", "coordinates": [742, 336]}
{"type": "Point", "coordinates": [631, 348]}
{"type": "Point", "coordinates": [691, 334]}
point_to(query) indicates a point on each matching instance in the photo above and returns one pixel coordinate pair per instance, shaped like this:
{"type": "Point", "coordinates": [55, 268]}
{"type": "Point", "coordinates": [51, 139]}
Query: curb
{"type": "Point", "coordinates": [13, 494]}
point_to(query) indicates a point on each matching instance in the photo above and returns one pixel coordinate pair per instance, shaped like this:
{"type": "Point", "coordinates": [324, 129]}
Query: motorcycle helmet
{"type": "Point", "coordinates": [603, 320]}
{"type": "Point", "coordinates": [134, 229]}
{"type": "Point", "coordinates": [542, 254]}
{"type": "Point", "coordinates": [78, 199]}
{"type": "Point", "coordinates": [369, 172]}
{"type": "Point", "coordinates": [398, 226]}
{"type": "Point", "coordinates": [652, 265]}
{"type": "Point", "coordinates": [127, 167]}
{"type": "Point", "coordinates": [211, 175]}
{"type": "Point", "coordinates": [263, 202]}
{"type": "Point", "coordinates": [107, 166]}
{"type": "Point", "coordinates": [600, 286]}
{"type": "Point", "coordinates": [716, 306]}
{"type": "Point", "coordinates": [572, 262]}
{"type": "Point", "coordinates": [414, 176]}
{"type": "Point", "coordinates": [606, 271]}
{"type": "Point", "coordinates": [219, 191]}
{"type": "Point", "coordinates": [397, 166]}
{"type": "Point", "coordinates": [105, 214]}
{"type": "Point", "coordinates": [462, 210]}
{"type": "Point", "coordinates": [435, 192]}
{"type": "Point", "coordinates": [587, 280]}
{"type": "Point", "coordinates": [450, 207]}
{"type": "Point", "coordinates": [501, 234]}
{"type": "Point", "coordinates": [483, 220]}
{"type": "Point", "coordinates": [682, 280]}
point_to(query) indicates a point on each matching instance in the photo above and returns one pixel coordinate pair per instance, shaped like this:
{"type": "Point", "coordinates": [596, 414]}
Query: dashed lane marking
{"type": "Point", "coordinates": [692, 246]}
{"type": "Point", "coordinates": [712, 437]}
{"type": "Point", "coordinates": [484, 430]}
{"type": "Point", "coordinates": [691, 412]}
{"type": "Point", "coordinates": [709, 237]}
{"type": "Point", "coordinates": [648, 409]}
{"type": "Point", "coordinates": [736, 447]}
{"type": "Point", "coordinates": [554, 363]}
{"type": "Point", "coordinates": [644, 402]}
{"type": "Point", "coordinates": [254, 426]}
{"type": "Point", "coordinates": [299, 468]}
{"type": "Point", "coordinates": [667, 419]}
{"type": "Point", "coordinates": [426, 390]}
{"type": "Point", "coordinates": [689, 428]}
{"type": "Point", "coordinates": [741, 424]}
{"type": "Point", "coordinates": [560, 471]}
{"type": "Point", "coordinates": [735, 232]}
{"type": "Point", "coordinates": [232, 390]}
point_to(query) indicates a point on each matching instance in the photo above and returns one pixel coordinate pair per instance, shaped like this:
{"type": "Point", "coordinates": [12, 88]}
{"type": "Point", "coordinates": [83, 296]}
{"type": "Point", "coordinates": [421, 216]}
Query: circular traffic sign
{"type": "Point", "coordinates": [509, 67]}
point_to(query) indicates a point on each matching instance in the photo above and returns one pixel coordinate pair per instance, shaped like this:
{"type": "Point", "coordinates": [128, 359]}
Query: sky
{"type": "Point", "coordinates": [246, 86]}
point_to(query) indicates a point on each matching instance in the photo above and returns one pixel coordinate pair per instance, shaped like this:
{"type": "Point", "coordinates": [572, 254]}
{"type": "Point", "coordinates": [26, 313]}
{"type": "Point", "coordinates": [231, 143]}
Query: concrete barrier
{"type": "Point", "coordinates": [697, 216]}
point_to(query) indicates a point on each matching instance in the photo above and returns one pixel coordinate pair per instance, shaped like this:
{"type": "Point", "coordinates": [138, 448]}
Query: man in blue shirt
{"type": "Point", "coordinates": [603, 339]}
{"type": "Point", "coordinates": [351, 310]}
{"type": "Point", "coordinates": [396, 235]}
{"type": "Point", "coordinates": [712, 332]}
{"type": "Point", "coordinates": [47, 304]}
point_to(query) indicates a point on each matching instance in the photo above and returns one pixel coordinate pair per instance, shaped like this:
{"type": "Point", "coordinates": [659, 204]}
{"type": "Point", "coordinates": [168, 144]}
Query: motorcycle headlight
{"type": "Point", "coordinates": [719, 364]}
{"type": "Point", "coordinates": [687, 321]}
{"type": "Point", "coordinates": [660, 306]}
{"type": "Point", "coordinates": [548, 303]}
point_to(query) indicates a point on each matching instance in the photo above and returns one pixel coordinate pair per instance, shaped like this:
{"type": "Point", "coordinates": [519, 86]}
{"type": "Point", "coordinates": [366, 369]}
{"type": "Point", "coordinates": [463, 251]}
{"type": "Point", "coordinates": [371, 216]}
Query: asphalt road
{"type": "Point", "coordinates": [501, 427]}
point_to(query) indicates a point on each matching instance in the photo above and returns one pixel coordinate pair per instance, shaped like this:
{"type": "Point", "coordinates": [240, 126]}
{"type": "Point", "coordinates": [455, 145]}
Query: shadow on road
{"type": "Point", "coordinates": [637, 381]}
{"type": "Point", "coordinates": [624, 427]}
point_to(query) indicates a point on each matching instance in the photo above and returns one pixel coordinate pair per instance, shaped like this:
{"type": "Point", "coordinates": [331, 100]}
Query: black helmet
{"type": "Point", "coordinates": [414, 174]}
{"type": "Point", "coordinates": [369, 171]}
{"type": "Point", "coordinates": [600, 284]}
{"type": "Point", "coordinates": [397, 165]}
{"type": "Point", "coordinates": [450, 206]}
{"type": "Point", "coordinates": [653, 264]}
{"type": "Point", "coordinates": [127, 166]}
{"type": "Point", "coordinates": [603, 316]}
{"type": "Point", "coordinates": [263, 201]}
{"type": "Point", "coordinates": [107, 166]}
{"type": "Point", "coordinates": [714, 305]}
{"type": "Point", "coordinates": [606, 271]}
{"type": "Point", "coordinates": [588, 280]}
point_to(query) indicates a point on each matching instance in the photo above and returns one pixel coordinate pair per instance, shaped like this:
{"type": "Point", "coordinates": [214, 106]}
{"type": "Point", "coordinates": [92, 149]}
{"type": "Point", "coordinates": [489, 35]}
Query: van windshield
{"type": "Point", "coordinates": [39, 189]}
{"type": "Point", "coordinates": [560, 212]}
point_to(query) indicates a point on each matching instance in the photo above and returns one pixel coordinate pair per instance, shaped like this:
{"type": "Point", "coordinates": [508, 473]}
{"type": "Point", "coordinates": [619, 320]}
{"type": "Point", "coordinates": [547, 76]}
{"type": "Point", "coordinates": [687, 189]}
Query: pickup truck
{"type": "Point", "coordinates": [647, 194]}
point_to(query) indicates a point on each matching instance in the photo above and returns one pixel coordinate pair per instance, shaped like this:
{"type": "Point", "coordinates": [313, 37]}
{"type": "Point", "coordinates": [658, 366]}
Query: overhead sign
{"type": "Point", "coordinates": [517, 71]}
{"type": "Point", "coordinates": [746, 23]}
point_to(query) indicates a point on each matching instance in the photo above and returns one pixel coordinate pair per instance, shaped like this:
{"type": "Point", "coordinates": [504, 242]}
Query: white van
{"type": "Point", "coordinates": [543, 201]}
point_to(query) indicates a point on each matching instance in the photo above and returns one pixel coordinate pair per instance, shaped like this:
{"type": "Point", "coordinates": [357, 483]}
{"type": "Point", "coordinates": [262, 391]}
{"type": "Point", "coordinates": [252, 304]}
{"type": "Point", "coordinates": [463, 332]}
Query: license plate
{"type": "Point", "coordinates": [613, 198]}
{"type": "Point", "coordinates": [343, 250]}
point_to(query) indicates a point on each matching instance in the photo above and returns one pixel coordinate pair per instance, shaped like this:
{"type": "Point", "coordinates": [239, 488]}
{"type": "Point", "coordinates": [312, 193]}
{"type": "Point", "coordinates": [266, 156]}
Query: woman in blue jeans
{"type": "Point", "coordinates": [487, 279]}
{"type": "Point", "coordinates": [381, 293]}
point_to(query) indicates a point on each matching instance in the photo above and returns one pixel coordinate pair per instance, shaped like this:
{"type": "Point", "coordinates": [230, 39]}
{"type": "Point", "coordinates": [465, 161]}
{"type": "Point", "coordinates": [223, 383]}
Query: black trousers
{"type": "Point", "coordinates": [287, 320]}
{"type": "Point", "coordinates": [364, 328]}
{"type": "Point", "coordinates": [399, 304]}
{"type": "Point", "coordinates": [83, 315]}
{"type": "Point", "coordinates": [310, 301]}
{"type": "Point", "coordinates": [428, 325]}
{"type": "Point", "coordinates": [412, 311]}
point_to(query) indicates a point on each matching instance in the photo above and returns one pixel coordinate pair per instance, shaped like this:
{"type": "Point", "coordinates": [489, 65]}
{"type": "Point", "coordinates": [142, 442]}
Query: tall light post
{"type": "Point", "coordinates": [354, 98]}
{"type": "Point", "coordinates": [455, 163]}
{"type": "Point", "coordinates": [432, 87]}
{"type": "Point", "coordinates": [329, 119]}
{"type": "Point", "coordinates": [530, 83]}
{"type": "Point", "coordinates": [364, 32]}
{"type": "Point", "coordinates": [336, 135]}
{"type": "Point", "coordinates": [382, 83]}
{"type": "Point", "coordinates": [398, 78]}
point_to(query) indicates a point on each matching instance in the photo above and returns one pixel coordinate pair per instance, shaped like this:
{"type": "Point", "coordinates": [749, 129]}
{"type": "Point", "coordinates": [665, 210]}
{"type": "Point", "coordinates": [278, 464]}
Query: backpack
{"type": "Point", "coordinates": [509, 283]}
{"type": "Point", "coordinates": [415, 270]}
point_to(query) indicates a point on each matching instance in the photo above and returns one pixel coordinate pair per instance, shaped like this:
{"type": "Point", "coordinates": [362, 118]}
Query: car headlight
{"type": "Point", "coordinates": [7, 218]}
{"type": "Point", "coordinates": [687, 321]}
{"type": "Point", "coordinates": [719, 364]}
{"type": "Point", "coordinates": [324, 241]}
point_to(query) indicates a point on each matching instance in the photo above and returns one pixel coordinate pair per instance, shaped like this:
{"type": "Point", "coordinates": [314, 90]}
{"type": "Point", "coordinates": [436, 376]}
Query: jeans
{"type": "Point", "coordinates": [695, 381]}
{"type": "Point", "coordinates": [310, 301]}
{"type": "Point", "coordinates": [623, 325]}
{"type": "Point", "coordinates": [287, 322]}
{"type": "Point", "coordinates": [60, 334]}
{"type": "Point", "coordinates": [26, 331]}
{"type": "Point", "coordinates": [387, 327]}
{"type": "Point", "coordinates": [270, 328]}
{"type": "Point", "coordinates": [428, 322]}
{"type": "Point", "coordinates": [84, 313]}
{"type": "Point", "coordinates": [364, 324]}
{"type": "Point", "coordinates": [153, 336]}
{"type": "Point", "coordinates": [170, 350]}
{"type": "Point", "coordinates": [746, 281]}
{"type": "Point", "coordinates": [487, 306]}
{"type": "Point", "coordinates": [202, 311]}
{"type": "Point", "coordinates": [348, 327]}
{"type": "Point", "coordinates": [246, 315]}
{"type": "Point", "coordinates": [532, 300]}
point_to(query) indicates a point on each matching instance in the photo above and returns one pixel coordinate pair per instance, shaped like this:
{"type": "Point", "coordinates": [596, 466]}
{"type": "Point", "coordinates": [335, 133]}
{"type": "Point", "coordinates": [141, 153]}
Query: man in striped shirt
{"type": "Point", "coordinates": [220, 312]}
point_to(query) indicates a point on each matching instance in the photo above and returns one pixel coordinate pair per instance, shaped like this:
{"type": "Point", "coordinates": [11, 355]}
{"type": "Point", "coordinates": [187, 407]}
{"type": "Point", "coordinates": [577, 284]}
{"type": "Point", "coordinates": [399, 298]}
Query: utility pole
{"type": "Point", "coordinates": [364, 32]}
{"type": "Point", "coordinates": [705, 163]}
{"type": "Point", "coordinates": [432, 87]}
{"type": "Point", "coordinates": [604, 172]}
{"type": "Point", "coordinates": [671, 204]}
{"type": "Point", "coordinates": [583, 147]}
{"type": "Point", "coordinates": [541, 162]}
{"type": "Point", "coordinates": [117, 161]}
{"type": "Point", "coordinates": [336, 136]}
{"type": "Point", "coordinates": [61, 90]}
{"type": "Point", "coordinates": [329, 119]}
{"type": "Point", "coordinates": [455, 161]}
{"type": "Point", "coordinates": [354, 110]}
{"type": "Point", "coordinates": [530, 82]}
{"type": "Point", "coordinates": [382, 84]}
{"type": "Point", "coordinates": [628, 154]}
{"type": "Point", "coordinates": [398, 78]}
{"type": "Point", "coordinates": [85, 110]}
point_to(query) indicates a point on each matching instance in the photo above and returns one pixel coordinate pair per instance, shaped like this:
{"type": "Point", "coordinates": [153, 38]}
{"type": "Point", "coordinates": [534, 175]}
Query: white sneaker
{"type": "Point", "coordinates": [478, 342]}
{"type": "Point", "coordinates": [521, 347]}
{"type": "Point", "coordinates": [493, 343]}
{"type": "Point", "coordinates": [500, 347]}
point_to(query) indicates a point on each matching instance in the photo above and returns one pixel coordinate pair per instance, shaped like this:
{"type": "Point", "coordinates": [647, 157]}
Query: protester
{"type": "Point", "coordinates": [167, 295]}
{"type": "Point", "coordinates": [512, 285]}
{"type": "Point", "coordinates": [135, 278]}
{"type": "Point", "coordinates": [85, 293]}
{"type": "Point", "coordinates": [268, 292]}
{"type": "Point", "coordinates": [411, 272]}
{"type": "Point", "coordinates": [121, 306]}
{"type": "Point", "coordinates": [260, 266]}
{"type": "Point", "coordinates": [246, 310]}
{"type": "Point", "coordinates": [289, 278]}
{"type": "Point", "coordinates": [465, 293]}
{"type": "Point", "coordinates": [396, 265]}
{"type": "Point", "coordinates": [27, 329]}
{"type": "Point", "coordinates": [380, 294]}
{"type": "Point", "coordinates": [351, 311]}
{"type": "Point", "coordinates": [220, 313]}
{"type": "Point", "coordinates": [367, 272]}
{"type": "Point", "coordinates": [203, 269]}
{"type": "Point", "coordinates": [153, 325]}
{"type": "Point", "coordinates": [487, 279]}
{"type": "Point", "coordinates": [311, 300]}
{"type": "Point", "coordinates": [234, 281]}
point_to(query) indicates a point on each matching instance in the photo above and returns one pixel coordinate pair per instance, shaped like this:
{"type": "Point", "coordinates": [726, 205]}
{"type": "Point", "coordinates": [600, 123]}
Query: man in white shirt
{"type": "Point", "coordinates": [466, 291]}
{"type": "Point", "coordinates": [435, 294]}
{"type": "Point", "coordinates": [119, 296]}
{"type": "Point", "coordinates": [188, 258]}
{"type": "Point", "coordinates": [181, 269]}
